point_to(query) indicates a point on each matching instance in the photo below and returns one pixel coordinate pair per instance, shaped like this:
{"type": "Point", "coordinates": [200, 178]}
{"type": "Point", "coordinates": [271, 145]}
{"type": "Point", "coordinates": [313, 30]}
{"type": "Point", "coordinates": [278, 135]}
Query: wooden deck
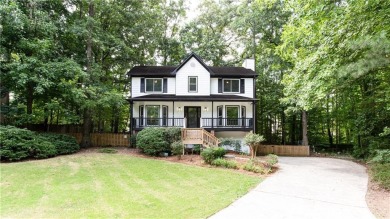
{"type": "Point", "coordinates": [198, 136]}
{"type": "Point", "coordinates": [284, 150]}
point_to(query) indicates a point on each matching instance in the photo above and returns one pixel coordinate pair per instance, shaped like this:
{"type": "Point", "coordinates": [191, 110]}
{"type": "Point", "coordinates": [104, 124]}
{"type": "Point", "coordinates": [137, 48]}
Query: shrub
{"type": "Point", "coordinates": [18, 144]}
{"type": "Point", "coordinates": [381, 156]}
{"type": "Point", "coordinates": [253, 167]}
{"type": "Point", "coordinates": [133, 141]}
{"type": "Point", "coordinates": [381, 174]}
{"type": "Point", "coordinates": [236, 144]}
{"type": "Point", "coordinates": [172, 134]}
{"type": "Point", "coordinates": [197, 148]}
{"type": "Point", "coordinates": [220, 162]}
{"type": "Point", "coordinates": [177, 148]}
{"type": "Point", "coordinates": [152, 141]}
{"type": "Point", "coordinates": [64, 144]}
{"type": "Point", "coordinates": [212, 153]}
{"type": "Point", "coordinates": [271, 160]}
{"type": "Point", "coordinates": [42, 148]}
{"type": "Point", "coordinates": [108, 150]}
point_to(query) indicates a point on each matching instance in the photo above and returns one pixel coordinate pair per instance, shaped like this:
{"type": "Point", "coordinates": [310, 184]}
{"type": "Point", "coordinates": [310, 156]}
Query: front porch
{"type": "Point", "coordinates": [244, 124]}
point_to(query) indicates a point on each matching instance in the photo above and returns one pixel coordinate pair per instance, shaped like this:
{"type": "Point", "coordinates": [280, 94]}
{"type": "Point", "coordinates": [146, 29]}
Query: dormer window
{"type": "Point", "coordinates": [231, 85]}
{"type": "Point", "coordinates": [154, 84]}
{"type": "Point", "coordinates": [192, 84]}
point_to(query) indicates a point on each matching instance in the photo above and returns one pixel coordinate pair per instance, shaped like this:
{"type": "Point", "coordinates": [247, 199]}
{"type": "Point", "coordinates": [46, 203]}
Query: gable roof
{"type": "Point", "coordinates": [170, 71]}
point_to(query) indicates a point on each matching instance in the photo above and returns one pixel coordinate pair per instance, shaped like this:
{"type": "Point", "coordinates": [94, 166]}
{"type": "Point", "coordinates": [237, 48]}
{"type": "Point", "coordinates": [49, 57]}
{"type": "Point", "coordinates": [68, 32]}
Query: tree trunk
{"type": "Point", "coordinates": [305, 141]}
{"type": "Point", "coordinates": [30, 98]}
{"type": "Point", "coordinates": [328, 122]}
{"type": "Point", "coordinates": [293, 129]}
{"type": "Point", "coordinates": [87, 119]}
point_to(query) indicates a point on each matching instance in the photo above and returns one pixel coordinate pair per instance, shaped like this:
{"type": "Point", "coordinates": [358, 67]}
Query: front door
{"type": "Point", "coordinates": [192, 113]}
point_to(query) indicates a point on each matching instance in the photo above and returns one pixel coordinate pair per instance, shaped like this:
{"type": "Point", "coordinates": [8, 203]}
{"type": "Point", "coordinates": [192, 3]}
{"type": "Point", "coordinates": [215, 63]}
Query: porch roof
{"type": "Point", "coordinates": [212, 97]}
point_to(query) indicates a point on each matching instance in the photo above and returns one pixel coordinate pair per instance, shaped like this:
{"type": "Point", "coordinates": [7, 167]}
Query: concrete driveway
{"type": "Point", "coordinates": [306, 188]}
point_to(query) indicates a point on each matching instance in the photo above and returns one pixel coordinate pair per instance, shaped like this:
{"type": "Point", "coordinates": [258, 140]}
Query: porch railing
{"type": "Point", "coordinates": [158, 122]}
{"type": "Point", "coordinates": [227, 123]}
{"type": "Point", "coordinates": [142, 122]}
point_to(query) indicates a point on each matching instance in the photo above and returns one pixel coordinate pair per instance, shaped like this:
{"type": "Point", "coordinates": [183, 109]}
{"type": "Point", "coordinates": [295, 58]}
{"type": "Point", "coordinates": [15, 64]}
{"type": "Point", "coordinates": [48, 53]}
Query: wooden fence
{"type": "Point", "coordinates": [284, 150]}
{"type": "Point", "coordinates": [105, 139]}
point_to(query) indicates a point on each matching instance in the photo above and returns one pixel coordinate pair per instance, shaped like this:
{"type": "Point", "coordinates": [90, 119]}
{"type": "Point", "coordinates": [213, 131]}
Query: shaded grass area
{"type": "Point", "coordinates": [96, 185]}
{"type": "Point", "coordinates": [381, 174]}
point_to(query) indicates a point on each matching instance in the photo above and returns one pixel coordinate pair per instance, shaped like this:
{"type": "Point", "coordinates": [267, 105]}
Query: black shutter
{"type": "Point", "coordinates": [242, 86]}
{"type": "Point", "coordinates": [142, 87]}
{"type": "Point", "coordinates": [165, 85]}
{"type": "Point", "coordinates": [219, 85]}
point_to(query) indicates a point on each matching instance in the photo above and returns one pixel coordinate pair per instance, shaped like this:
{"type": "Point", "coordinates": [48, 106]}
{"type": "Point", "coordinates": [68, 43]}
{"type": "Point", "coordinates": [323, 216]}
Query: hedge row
{"type": "Point", "coordinates": [18, 144]}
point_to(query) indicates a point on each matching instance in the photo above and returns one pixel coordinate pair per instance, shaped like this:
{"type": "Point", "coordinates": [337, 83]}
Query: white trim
{"type": "Point", "coordinates": [230, 79]}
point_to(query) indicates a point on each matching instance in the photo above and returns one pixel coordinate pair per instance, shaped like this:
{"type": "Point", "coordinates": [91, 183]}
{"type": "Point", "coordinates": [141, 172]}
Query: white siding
{"type": "Point", "coordinates": [248, 88]}
{"type": "Point", "coordinates": [136, 86]}
{"type": "Point", "coordinates": [193, 68]}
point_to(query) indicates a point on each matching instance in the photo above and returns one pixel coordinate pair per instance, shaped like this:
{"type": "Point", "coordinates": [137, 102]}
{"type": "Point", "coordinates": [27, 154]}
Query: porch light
{"type": "Point", "coordinates": [206, 109]}
{"type": "Point", "coordinates": [179, 108]}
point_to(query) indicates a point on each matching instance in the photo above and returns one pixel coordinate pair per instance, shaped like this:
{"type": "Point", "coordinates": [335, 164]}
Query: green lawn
{"type": "Point", "coordinates": [95, 185]}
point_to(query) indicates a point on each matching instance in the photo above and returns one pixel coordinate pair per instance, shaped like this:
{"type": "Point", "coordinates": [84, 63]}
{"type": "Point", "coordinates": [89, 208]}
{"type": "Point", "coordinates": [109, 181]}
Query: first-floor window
{"type": "Point", "coordinates": [152, 115]}
{"type": "Point", "coordinates": [232, 113]}
{"type": "Point", "coordinates": [154, 85]}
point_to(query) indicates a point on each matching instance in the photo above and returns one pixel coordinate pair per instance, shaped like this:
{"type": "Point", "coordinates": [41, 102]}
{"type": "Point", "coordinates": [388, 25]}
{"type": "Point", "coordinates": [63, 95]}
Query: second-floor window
{"type": "Point", "coordinates": [154, 85]}
{"type": "Point", "coordinates": [193, 84]}
{"type": "Point", "coordinates": [231, 85]}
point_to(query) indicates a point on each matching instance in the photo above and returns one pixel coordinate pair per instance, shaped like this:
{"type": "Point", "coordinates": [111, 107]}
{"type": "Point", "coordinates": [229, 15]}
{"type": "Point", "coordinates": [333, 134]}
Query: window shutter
{"type": "Point", "coordinates": [219, 85]}
{"type": "Point", "coordinates": [142, 87]}
{"type": "Point", "coordinates": [165, 85]}
{"type": "Point", "coordinates": [242, 86]}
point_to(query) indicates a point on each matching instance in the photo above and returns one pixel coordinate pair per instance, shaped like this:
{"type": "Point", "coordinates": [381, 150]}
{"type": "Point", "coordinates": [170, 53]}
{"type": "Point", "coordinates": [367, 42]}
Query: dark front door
{"type": "Point", "coordinates": [192, 113]}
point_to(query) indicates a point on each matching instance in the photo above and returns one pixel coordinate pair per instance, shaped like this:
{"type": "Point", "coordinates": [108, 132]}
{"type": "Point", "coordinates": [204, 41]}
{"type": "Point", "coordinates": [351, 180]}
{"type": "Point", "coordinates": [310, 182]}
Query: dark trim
{"type": "Point", "coordinates": [220, 85]}
{"type": "Point", "coordinates": [242, 86]}
{"type": "Point", "coordinates": [165, 85]}
{"type": "Point", "coordinates": [213, 97]}
{"type": "Point", "coordinates": [254, 116]}
{"type": "Point", "coordinates": [142, 86]}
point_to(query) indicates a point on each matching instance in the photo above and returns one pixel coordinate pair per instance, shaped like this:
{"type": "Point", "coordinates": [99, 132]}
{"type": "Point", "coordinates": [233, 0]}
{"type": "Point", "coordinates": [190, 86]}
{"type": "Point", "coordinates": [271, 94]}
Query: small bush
{"type": "Point", "coordinates": [133, 141]}
{"type": "Point", "coordinates": [212, 153]}
{"type": "Point", "coordinates": [220, 162]}
{"type": "Point", "coordinates": [236, 144]}
{"type": "Point", "coordinates": [152, 141]}
{"type": "Point", "coordinates": [172, 135]}
{"type": "Point", "coordinates": [381, 156]}
{"type": "Point", "coordinates": [177, 148]}
{"type": "Point", "coordinates": [197, 148]}
{"type": "Point", "coordinates": [381, 174]}
{"type": "Point", "coordinates": [108, 150]}
{"type": "Point", "coordinates": [271, 160]}
{"type": "Point", "coordinates": [253, 167]}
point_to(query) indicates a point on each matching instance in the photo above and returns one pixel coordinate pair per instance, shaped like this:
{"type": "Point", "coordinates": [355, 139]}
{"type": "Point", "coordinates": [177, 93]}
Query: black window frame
{"type": "Point", "coordinates": [231, 86]}
{"type": "Point", "coordinates": [154, 91]}
{"type": "Point", "coordinates": [152, 121]}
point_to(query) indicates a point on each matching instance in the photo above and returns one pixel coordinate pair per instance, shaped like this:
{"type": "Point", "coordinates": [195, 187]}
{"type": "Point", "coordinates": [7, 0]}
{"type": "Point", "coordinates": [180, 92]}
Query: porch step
{"type": "Point", "coordinates": [198, 136]}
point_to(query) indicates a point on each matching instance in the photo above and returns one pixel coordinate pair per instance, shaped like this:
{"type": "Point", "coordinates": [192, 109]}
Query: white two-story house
{"type": "Point", "coordinates": [193, 95]}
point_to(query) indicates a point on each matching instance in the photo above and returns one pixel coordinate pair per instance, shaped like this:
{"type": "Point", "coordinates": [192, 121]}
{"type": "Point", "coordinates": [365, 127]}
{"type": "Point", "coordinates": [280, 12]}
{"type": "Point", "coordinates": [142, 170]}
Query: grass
{"type": "Point", "coordinates": [100, 185]}
{"type": "Point", "coordinates": [381, 174]}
